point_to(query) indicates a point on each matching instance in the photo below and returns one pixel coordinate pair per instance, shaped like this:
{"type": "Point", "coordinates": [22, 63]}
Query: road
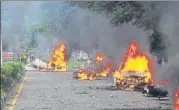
{"type": "Point", "coordinates": [59, 91]}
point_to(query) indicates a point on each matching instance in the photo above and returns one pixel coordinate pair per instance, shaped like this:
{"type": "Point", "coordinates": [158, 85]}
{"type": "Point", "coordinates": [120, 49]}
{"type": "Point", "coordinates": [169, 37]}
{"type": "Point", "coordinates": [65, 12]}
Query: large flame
{"type": "Point", "coordinates": [136, 63]}
{"type": "Point", "coordinates": [101, 71]}
{"type": "Point", "coordinates": [58, 61]}
{"type": "Point", "coordinates": [176, 104]}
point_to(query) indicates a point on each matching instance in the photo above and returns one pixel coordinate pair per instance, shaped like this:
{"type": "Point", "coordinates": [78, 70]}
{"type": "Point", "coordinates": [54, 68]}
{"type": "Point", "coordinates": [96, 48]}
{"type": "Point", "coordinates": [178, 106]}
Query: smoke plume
{"type": "Point", "coordinates": [88, 29]}
{"type": "Point", "coordinates": [169, 25]}
{"type": "Point", "coordinates": [94, 29]}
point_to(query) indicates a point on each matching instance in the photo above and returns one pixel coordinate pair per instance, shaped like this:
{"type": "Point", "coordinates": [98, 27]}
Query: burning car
{"type": "Point", "coordinates": [94, 70]}
{"type": "Point", "coordinates": [58, 61]}
{"type": "Point", "coordinates": [135, 71]}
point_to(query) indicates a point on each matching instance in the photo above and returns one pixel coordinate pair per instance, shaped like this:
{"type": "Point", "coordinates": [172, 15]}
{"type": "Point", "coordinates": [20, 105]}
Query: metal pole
{"type": "Point", "coordinates": [1, 40]}
{"type": "Point", "coordinates": [20, 50]}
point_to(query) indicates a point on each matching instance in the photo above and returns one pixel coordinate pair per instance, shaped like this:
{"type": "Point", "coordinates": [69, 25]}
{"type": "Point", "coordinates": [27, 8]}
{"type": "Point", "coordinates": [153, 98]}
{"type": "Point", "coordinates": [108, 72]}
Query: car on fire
{"type": "Point", "coordinates": [159, 91]}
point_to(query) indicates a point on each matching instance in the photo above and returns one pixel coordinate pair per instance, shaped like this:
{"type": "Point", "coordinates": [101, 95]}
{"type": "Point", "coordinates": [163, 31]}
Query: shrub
{"type": "Point", "coordinates": [11, 72]}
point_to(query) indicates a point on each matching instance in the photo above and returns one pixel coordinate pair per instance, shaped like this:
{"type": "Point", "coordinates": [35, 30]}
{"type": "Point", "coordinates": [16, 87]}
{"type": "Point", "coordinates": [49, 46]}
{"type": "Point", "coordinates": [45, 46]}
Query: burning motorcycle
{"type": "Point", "coordinates": [159, 91]}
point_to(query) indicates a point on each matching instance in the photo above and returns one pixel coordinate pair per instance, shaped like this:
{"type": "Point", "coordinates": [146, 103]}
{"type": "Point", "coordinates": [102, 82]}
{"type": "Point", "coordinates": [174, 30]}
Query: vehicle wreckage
{"type": "Point", "coordinates": [95, 70]}
{"type": "Point", "coordinates": [130, 81]}
{"type": "Point", "coordinates": [159, 91]}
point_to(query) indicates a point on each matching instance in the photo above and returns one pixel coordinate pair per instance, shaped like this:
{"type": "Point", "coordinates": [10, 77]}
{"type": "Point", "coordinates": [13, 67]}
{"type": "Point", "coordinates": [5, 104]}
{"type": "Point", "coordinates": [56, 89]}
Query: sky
{"type": "Point", "coordinates": [13, 10]}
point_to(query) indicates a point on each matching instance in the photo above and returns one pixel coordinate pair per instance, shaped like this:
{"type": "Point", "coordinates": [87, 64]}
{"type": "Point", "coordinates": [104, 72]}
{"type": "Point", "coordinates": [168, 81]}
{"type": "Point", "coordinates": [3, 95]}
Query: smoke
{"type": "Point", "coordinates": [169, 25]}
{"type": "Point", "coordinates": [74, 25]}
{"type": "Point", "coordinates": [94, 29]}
{"type": "Point", "coordinates": [13, 24]}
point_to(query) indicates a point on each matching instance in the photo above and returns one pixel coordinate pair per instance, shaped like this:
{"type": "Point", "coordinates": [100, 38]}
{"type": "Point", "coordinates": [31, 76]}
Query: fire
{"type": "Point", "coordinates": [164, 82]}
{"type": "Point", "coordinates": [84, 75]}
{"type": "Point", "coordinates": [176, 104]}
{"type": "Point", "coordinates": [136, 63]}
{"type": "Point", "coordinates": [99, 58]}
{"type": "Point", "coordinates": [58, 61]}
{"type": "Point", "coordinates": [101, 71]}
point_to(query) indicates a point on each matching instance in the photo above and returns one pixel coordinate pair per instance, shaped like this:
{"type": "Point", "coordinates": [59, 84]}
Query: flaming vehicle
{"type": "Point", "coordinates": [176, 100]}
{"type": "Point", "coordinates": [58, 61]}
{"type": "Point", "coordinates": [135, 71]}
{"type": "Point", "coordinates": [94, 70]}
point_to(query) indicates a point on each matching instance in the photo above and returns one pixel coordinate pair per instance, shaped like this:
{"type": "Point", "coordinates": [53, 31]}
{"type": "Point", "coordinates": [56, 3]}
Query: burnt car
{"type": "Point", "coordinates": [132, 81]}
{"type": "Point", "coordinates": [158, 91]}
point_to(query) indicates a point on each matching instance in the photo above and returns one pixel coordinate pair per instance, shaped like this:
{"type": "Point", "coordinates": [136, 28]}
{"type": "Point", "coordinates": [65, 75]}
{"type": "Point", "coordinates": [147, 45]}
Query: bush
{"type": "Point", "coordinates": [11, 72]}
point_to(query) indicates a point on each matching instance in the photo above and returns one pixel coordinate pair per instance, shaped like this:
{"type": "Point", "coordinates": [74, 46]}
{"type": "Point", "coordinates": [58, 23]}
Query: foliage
{"type": "Point", "coordinates": [11, 72]}
{"type": "Point", "coordinates": [143, 14]}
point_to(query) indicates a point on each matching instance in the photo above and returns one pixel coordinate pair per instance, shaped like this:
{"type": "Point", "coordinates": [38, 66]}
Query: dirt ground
{"type": "Point", "coordinates": [59, 91]}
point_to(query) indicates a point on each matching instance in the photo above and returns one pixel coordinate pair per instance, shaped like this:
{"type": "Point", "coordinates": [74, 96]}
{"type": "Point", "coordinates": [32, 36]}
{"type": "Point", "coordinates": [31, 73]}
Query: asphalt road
{"type": "Point", "coordinates": [59, 91]}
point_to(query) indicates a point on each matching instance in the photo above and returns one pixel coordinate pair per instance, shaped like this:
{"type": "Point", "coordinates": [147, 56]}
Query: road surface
{"type": "Point", "coordinates": [59, 91]}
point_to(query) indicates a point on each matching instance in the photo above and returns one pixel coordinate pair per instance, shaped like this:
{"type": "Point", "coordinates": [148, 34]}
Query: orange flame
{"type": "Point", "coordinates": [176, 105]}
{"type": "Point", "coordinates": [58, 61]}
{"type": "Point", "coordinates": [99, 58]}
{"type": "Point", "coordinates": [135, 62]}
{"type": "Point", "coordinates": [84, 75]}
{"type": "Point", "coordinates": [102, 71]}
